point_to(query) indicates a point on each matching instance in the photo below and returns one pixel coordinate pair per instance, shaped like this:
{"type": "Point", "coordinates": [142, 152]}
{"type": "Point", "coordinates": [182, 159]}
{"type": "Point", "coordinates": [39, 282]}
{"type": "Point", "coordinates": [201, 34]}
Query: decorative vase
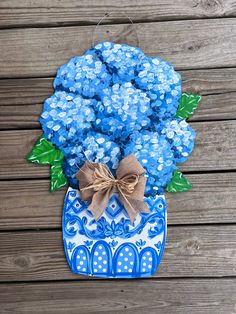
{"type": "Point", "coordinates": [112, 246]}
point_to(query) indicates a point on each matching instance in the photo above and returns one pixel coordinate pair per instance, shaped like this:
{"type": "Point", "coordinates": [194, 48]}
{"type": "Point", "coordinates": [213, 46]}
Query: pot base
{"type": "Point", "coordinates": [112, 247]}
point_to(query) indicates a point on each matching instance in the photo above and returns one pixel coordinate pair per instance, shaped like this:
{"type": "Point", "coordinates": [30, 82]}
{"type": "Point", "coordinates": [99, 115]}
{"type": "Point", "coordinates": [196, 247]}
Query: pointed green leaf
{"type": "Point", "coordinates": [178, 183]}
{"type": "Point", "coordinates": [188, 104]}
{"type": "Point", "coordinates": [44, 153]}
{"type": "Point", "coordinates": [58, 178]}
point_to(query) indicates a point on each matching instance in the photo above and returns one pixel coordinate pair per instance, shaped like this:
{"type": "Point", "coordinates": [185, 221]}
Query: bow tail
{"type": "Point", "coordinates": [133, 206]}
{"type": "Point", "coordinates": [140, 206]}
{"type": "Point", "coordinates": [131, 210]}
{"type": "Point", "coordinates": [99, 202]}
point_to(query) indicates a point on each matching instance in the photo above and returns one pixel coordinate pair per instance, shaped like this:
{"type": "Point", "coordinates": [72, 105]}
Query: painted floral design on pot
{"type": "Point", "coordinates": [113, 246]}
{"type": "Point", "coordinates": [109, 103]}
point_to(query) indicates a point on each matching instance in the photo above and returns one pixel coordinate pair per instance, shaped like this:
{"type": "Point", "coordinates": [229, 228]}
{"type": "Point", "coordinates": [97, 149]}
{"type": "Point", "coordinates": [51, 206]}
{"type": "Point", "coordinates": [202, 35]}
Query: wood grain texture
{"type": "Point", "coordinates": [209, 81]}
{"type": "Point", "coordinates": [198, 271]}
{"type": "Point", "coordinates": [212, 107]}
{"type": "Point", "coordinates": [28, 204]}
{"type": "Point", "coordinates": [17, 13]}
{"type": "Point", "coordinates": [181, 296]}
{"type": "Point", "coordinates": [20, 117]}
{"type": "Point", "coordinates": [26, 91]}
{"type": "Point", "coordinates": [191, 251]}
{"type": "Point", "coordinates": [213, 140]}
{"type": "Point", "coordinates": [187, 44]}
{"type": "Point", "coordinates": [216, 107]}
{"type": "Point", "coordinates": [21, 99]}
{"type": "Point", "coordinates": [212, 200]}
{"type": "Point", "coordinates": [34, 90]}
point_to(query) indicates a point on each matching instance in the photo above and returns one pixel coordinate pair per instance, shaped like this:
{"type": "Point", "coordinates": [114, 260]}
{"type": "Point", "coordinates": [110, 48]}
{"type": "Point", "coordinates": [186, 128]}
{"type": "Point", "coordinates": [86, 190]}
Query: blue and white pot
{"type": "Point", "coordinates": [112, 246]}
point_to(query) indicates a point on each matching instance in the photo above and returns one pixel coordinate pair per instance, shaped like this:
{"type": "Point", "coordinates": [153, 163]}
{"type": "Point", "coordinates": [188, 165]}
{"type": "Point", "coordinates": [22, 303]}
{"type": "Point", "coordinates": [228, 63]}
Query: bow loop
{"type": "Point", "coordinates": [97, 184]}
{"type": "Point", "coordinates": [129, 166]}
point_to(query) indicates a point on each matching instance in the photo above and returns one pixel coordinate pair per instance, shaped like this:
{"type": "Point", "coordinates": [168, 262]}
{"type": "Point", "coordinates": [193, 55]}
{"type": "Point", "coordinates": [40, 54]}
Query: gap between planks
{"type": "Point", "coordinates": [211, 201]}
{"type": "Point", "coordinates": [20, 98]}
{"type": "Point", "coordinates": [190, 251]}
{"type": "Point", "coordinates": [206, 295]}
{"type": "Point", "coordinates": [40, 51]}
{"type": "Point", "coordinates": [69, 12]}
{"type": "Point", "coordinates": [29, 91]}
{"type": "Point", "coordinates": [155, 296]}
{"type": "Point", "coordinates": [215, 149]}
{"type": "Point", "coordinates": [212, 108]}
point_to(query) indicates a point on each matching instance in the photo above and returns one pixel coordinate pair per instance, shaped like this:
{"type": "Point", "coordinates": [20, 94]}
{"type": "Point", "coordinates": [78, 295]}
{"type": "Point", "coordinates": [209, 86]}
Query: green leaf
{"type": "Point", "coordinates": [58, 178]}
{"type": "Point", "coordinates": [178, 183]}
{"type": "Point", "coordinates": [44, 153]}
{"type": "Point", "coordinates": [188, 104]}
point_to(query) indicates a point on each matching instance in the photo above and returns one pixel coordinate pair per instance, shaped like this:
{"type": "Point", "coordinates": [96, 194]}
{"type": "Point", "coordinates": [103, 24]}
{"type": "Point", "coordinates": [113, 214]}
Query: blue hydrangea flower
{"type": "Point", "coordinates": [180, 136]}
{"type": "Point", "coordinates": [96, 147]}
{"type": "Point", "coordinates": [85, 75]}
{"type": "Point", "coordinates": [123, 109]}
{"type": "Point", "coordinates": [114, 101]}
{"type": "Point", "coordinates": [121, 60]}
{"type": "Point", "coordinates": [162, 84]}
{"type": "Point", "coordinates": [66, 118]}
{"type": "Point", "coordinates": [155, 155]}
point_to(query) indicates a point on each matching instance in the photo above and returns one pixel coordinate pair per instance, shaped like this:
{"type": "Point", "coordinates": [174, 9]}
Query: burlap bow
{"type": "Point", "coordinates": [97, 184]}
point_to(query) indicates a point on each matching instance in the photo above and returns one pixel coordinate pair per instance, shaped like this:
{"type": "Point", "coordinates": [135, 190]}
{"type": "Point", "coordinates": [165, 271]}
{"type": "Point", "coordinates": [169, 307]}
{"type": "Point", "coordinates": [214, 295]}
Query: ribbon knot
{"type": "Point", "coordinates": [97, 183]}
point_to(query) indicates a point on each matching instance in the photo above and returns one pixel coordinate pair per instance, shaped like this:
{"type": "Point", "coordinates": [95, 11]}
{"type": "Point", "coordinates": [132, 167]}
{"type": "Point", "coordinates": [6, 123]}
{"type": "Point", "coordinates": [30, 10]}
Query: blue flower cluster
{"type": "Point", "coordinates": [114, 101]}
{"type": "Point", "coordinates": [180, 136]}
{"type": "Point", "coordinates": [123, 109]}
{"type": "Point", "coordinates": [96, 147]}
{"type": "Point", "coordinates": [66, 118]}
{"type": "Point", "coordinates": [84, 75]}
{"type": "Point", "coordinates": [154, 152]}
{"type": "Point", "coordinates": [162, 85]}
{"type": "Point", "coordinates": [122, 61]}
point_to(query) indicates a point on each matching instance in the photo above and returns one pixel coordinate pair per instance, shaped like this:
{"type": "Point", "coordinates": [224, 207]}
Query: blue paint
{"type": "Point", "coordinates": [112, 247]}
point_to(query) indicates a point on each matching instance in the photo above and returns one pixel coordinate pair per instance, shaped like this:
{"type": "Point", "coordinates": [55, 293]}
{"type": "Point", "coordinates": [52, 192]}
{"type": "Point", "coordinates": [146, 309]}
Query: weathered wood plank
{"type": "Point", "coordinates": [216, 107]}
{"type": "Point", "coordinates": [211, 200]}
{"type": "Point", "coordinates": [17, 13]}
{"type": "Point", "coordinates": [192, 251]}
{"type": "Point", "coordinates": [155, 297]}
{"type": "Point", "coordinates": [188, 44]}
{"type": "Point", "coordinates": [212, 107]}
{"type": "Point", "coordinates": [28, 204]}
{"type": "Point", "coordinates": [20, 116]}
{"type": "Point", "coordinates": [35, 90]}
{"type": "Point", "coordinates": [215, 150]}
{"type": "Point", "coordinates": [21, 99]}
{"type": "Point", "coordinates": [209, 81]}
{"type": "Point", "coordinates": [27, 91]}
{"type": "Point", "coordinates": [14, 148]}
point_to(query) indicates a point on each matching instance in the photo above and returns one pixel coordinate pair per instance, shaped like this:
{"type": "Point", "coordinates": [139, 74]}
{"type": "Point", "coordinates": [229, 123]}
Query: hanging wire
{"type": "Point", "coordinates": [107, 14]}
